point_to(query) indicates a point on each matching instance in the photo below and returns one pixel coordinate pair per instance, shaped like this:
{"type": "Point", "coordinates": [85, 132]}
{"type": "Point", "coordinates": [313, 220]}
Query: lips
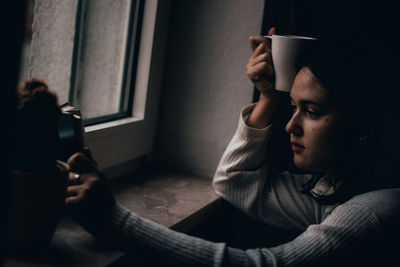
{"type": "Point", "coordinates": [296, 147]}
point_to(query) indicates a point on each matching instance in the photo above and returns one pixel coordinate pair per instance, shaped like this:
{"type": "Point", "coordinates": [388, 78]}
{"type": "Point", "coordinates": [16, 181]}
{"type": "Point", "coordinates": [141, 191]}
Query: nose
{"type": "Point", "coordinates": [294, 125]}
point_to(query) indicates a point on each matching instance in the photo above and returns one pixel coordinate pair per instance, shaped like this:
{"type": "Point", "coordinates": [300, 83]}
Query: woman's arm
{"type": "Point", "coordinates": [241, 172]}
{"type": "Point", "coordinates": [245, 179]}
{"type": "Point", "coordinates": [356, 222]}
{"type": "Point", "coordinates": [351, 229]}
{"type": "Point", "coordinates": [261, 73]}
{"type": "Point", "coordinates": [263, 111]}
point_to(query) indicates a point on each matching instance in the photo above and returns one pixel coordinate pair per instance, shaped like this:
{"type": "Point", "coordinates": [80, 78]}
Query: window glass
{"type": "Point", "coordinates": [103, 59]}
{"type": "Point", "coordinates": [26, 46]}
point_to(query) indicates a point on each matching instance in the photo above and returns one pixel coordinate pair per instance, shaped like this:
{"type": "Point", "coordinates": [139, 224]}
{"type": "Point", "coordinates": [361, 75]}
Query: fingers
{"type": "Point", "coordinates": [73, 190]}
{"type": "Point", "coordinates": [63, 166]}
{"type": "Point", "coordinates": [76, 194]}
{"type": "Point", "coordinates": [262, 48]}
{"type": "Point", "coordinates": [272, 31]}
{"type": "Point", "coordinates": [259, 68]}
{"type": "Point", "coordinates": [81, 164]}
{"type": "Point", "coordinates": [73, 178]}
{"type": "Point", "coordinates": [88, 154]}
{"type": "Point", "coordinates": [92, 195]}
{"type": "Point", "coordinates": [259, 71]}
{"type": "Point", "coordinates": [260, 64]}
{"type": "Point", "coordinates": [261, 58]}
{"type": "Point", "coordinates": [256, 40]}
{"type": "Point", "coordinates": [76, 178]}
{"type": "Point", "coordinates": [74, 200]}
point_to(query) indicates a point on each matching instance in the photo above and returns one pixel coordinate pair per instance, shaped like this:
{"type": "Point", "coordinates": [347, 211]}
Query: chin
{"type": "Point", "coordinates": [304, 165]}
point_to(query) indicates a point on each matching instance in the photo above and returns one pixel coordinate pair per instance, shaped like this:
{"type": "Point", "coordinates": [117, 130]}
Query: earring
{"type": "Point", "coordinates": [363, 139]}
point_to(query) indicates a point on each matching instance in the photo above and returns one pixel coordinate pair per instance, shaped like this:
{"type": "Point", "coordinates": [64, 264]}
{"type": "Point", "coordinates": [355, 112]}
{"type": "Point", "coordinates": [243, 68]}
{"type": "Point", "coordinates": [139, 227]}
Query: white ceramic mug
{"type": "Point", "coordinates": [288, 53]}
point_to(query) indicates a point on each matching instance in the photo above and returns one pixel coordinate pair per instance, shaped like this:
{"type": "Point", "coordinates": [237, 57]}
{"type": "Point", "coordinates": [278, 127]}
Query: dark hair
{"type": "Point", "coordinates": [362, 79]}
{"type": "Point", "coordinates": [36, 127]}
{"type": "Point", "coordinates": [357, 72]}
{"type": "Point", "coordinates": [36, 103]}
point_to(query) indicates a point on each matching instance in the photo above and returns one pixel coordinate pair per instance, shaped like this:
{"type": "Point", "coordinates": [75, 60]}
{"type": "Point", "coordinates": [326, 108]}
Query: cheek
{"type": "Point", "coordinates": [317, 133]}
{"type": "Point", "coordinates": [327, 138]}
{"type": "Point", "coordinates": [322, 144]}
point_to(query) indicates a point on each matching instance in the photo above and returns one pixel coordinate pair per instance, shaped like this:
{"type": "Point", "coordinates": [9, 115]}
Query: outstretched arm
{"type": "Point", "coordinates": [359, 219]}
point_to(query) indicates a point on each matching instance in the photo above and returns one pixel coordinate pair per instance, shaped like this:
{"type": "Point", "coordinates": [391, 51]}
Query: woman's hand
{"type": "Point", "coordinates": [261, 73]}
{"type": "Point", "coordinates": [89, 197]}
{"type": "Point", "coordinates": [259, 67]}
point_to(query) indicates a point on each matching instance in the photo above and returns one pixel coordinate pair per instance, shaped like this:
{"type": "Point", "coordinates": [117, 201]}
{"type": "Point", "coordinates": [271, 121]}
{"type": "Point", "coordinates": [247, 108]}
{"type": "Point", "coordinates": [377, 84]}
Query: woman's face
{"type": "Point", "coordinates": [318, 133]}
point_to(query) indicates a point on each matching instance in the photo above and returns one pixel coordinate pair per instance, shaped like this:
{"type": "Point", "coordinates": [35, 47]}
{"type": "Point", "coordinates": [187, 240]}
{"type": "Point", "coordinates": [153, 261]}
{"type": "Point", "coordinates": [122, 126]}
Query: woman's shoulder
{"type": "Point", "coordinates": [384, 197]}
{"type": "Point", "coordinates": [384, 204]}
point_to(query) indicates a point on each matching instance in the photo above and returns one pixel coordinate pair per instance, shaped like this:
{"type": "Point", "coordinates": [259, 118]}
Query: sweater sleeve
{"type": "Point", "coordinates": [349, 224]}
{"type": "Point", "coordinates": [130, 231]}
{"type": "Point", "coordinates": [359, 230]}
{"type": "Point", "coordinates": [242, 172]}
{"type": "Point", "coordinates": [245, 179]}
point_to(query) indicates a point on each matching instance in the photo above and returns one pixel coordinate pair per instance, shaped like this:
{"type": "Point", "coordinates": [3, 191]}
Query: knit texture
{"type": "Point", "coordinates": [244, 179]}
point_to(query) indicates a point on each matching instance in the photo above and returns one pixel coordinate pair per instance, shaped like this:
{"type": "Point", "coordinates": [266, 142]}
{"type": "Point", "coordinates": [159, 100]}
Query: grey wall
{"type": "Point", "coordinates": [205, 83]}
{"type": "Point", "coordinates": [52, 44]}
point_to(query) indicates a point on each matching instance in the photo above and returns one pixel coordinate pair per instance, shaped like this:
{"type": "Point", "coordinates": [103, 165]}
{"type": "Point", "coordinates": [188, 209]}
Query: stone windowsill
{"type": "Point", "coordinates": [175, 200]}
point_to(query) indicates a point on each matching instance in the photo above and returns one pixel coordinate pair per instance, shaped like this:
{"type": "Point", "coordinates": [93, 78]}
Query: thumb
{"type": "Point", "coordinates": [81, 164]}
{"type": "Point", "coordinates": [88, 154]}
{"type": "Point", "coordinates": [62, 166]}
{"type": "Point", "coordinates": [272, 31]}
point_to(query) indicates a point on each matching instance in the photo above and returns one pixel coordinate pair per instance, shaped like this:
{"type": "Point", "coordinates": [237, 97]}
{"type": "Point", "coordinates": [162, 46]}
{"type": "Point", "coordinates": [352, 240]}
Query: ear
{"type": "Point", "coordinates": [368, 128]}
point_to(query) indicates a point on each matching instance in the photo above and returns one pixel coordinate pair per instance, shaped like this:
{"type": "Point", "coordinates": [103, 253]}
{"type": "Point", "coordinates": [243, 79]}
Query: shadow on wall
{"type": "Point", "coordinates": [205, 83]}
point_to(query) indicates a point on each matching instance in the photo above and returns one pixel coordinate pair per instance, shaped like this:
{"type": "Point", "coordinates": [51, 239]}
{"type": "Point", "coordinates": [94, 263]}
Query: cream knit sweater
{"type": "Point", "coordinates": [356, 232]}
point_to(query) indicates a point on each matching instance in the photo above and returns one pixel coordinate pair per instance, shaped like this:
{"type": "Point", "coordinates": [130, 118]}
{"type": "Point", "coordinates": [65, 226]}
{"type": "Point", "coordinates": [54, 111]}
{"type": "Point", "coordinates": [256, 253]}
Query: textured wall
{"type": "Point", "coordinates": [205, 83]}
{"type": "Point", "coordinates": [52, 44]}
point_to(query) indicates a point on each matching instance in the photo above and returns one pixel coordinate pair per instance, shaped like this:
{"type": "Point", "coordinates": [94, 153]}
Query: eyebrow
{"type": "Point", "coordinates": [308, 102]}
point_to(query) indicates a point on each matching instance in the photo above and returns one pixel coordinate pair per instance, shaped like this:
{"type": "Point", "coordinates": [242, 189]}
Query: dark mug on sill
{"type": "Point", "coordinates": [36, 204]}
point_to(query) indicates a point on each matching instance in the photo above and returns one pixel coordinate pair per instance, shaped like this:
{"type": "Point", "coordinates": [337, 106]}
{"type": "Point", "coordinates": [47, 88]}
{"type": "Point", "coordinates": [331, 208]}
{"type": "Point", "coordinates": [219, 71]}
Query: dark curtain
{"type": "Point", "coordinates": [12, 32]}
{"type": "Point", "coordinates": [330, 21]}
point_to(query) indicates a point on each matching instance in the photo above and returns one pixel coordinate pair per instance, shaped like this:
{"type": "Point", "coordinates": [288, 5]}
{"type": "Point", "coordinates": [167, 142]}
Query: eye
{"type": "Point", "coordinates": [313, 113]}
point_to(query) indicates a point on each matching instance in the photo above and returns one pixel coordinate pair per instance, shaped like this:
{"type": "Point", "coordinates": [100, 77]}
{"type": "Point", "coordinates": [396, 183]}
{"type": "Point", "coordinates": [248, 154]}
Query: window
{"type": "Point", "coordinates": [101, 56]}
{"type": "Point", "coordinates": [23, 72]}
{"type": "Point", "coordinates": [105, 58]}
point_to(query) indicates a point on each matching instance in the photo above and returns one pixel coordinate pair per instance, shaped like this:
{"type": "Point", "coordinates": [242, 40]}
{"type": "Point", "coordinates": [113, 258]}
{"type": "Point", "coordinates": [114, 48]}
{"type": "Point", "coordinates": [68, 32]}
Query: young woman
{"type": "Point", "coordinates": [331, 205]}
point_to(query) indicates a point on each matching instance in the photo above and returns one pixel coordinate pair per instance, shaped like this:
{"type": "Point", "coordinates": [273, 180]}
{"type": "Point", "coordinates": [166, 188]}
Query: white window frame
{"type": "Point", "coordinates": [118, 144]}
{"type": "Point", "coordinates": [115, 143]}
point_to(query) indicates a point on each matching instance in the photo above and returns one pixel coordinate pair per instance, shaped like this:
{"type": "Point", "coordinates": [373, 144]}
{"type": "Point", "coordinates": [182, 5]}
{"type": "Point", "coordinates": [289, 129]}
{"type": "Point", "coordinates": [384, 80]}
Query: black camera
{"type": "Point", "coordinates": [70, 131]}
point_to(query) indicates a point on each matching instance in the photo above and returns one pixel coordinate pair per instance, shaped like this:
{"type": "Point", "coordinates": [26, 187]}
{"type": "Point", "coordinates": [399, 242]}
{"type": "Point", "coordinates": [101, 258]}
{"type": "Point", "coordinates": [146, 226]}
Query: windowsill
{"type": "Point", "coordinates": [171, 199]}
{"type": "Point", "coordinates": [177, 201]}
{"type": "Point", "coordinates": [111, 126]}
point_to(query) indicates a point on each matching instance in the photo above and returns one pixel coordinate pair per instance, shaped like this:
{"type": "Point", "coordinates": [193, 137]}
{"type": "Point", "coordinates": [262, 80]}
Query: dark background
{"type": "Point", "coordinates": [329, 21]}
{"type": "Point", "coordinates": [12, 35]}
